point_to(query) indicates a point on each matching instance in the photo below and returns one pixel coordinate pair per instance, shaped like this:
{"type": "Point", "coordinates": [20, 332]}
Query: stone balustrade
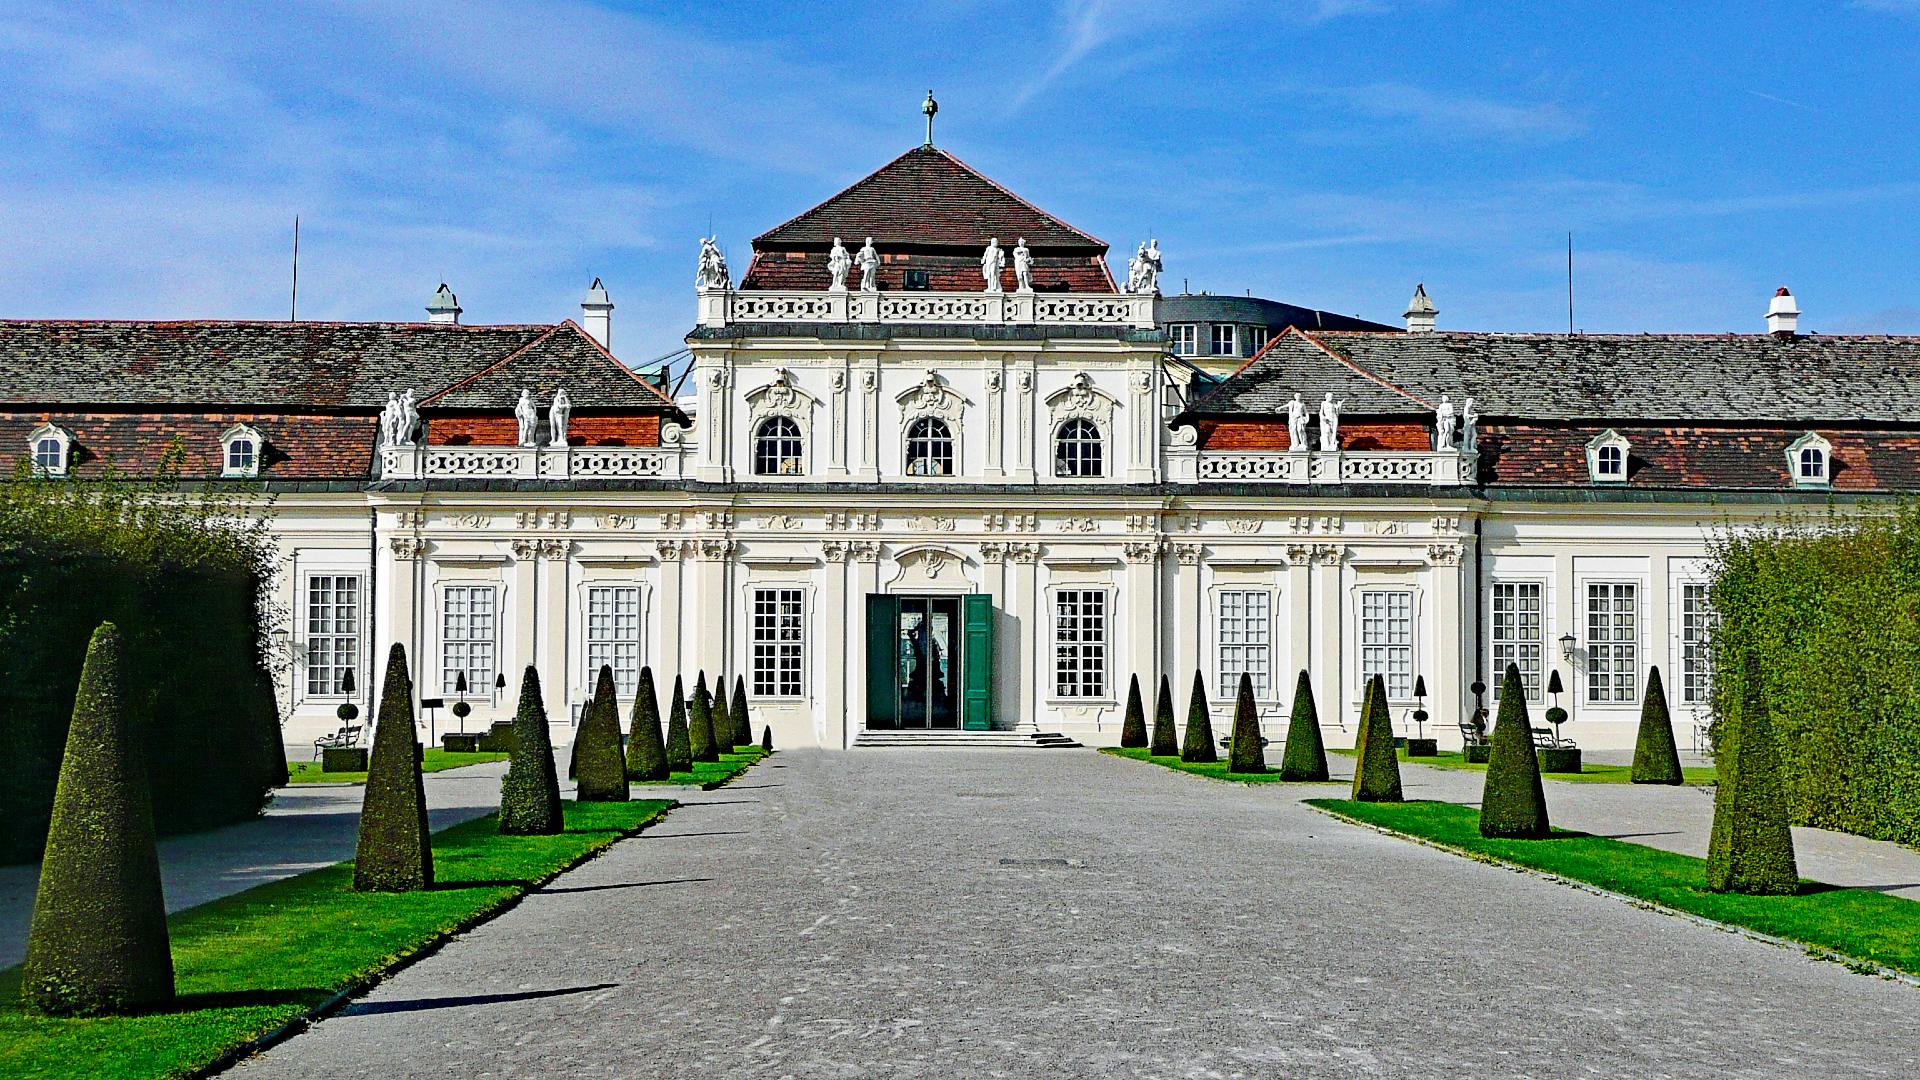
{"type": "Point", "coordinates": [1447, 468]}
{"type": "Point", "coordinates": [532, 463]}
{"type": "Point", "coordinates": [721, 307]}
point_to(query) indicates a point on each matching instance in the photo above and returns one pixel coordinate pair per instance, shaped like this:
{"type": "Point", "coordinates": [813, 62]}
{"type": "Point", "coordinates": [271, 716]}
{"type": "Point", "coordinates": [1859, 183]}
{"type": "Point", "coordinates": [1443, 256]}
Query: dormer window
{"type": "Point", "coordinates": [240, 452]}
{"type": "Point", "coordinates": [918, 280]}
{"type": "Point", "coordinates": [51, 446]}
{"type": "Point", "coordinates": [1607, 458]}
{"type": "Point", "coordinates": [1810, 461]}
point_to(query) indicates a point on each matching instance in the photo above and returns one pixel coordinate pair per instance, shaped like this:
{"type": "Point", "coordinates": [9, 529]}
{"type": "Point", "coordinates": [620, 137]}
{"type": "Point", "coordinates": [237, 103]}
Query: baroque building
{"type": "Point", "coordinates": [942, 472]}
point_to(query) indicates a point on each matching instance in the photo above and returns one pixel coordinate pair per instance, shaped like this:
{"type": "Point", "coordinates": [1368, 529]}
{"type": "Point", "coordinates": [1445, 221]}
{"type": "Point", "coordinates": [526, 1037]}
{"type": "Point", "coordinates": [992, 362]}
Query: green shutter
{"type": "Point", "coordinates": [883, 661]}
{"type": "Point", "coordinates": [978, 660]}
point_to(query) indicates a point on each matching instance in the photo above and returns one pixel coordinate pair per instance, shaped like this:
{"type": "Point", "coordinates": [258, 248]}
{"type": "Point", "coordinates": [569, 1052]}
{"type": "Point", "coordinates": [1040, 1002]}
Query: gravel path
{"type": "Point", "coordinates": [1042, 914]}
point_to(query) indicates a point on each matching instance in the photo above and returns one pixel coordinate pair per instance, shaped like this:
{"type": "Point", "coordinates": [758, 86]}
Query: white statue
{"type": "Point", "coordinates": [1469, 433]}
{"type": "Point", "coordinates": [1143, 272]}
{"type": "Point", "coordinates": [838, 263]}
{"type": "Point", "coordinates": [1330, 423]}
{"type": "Point", "coordinates": [528, 417]}
{"type": "Point", "coordinates": [713, 267]}
{"type": "Point", "coordinates": [1022, 267]}
{"type": "Point", "coordinates": [390, 420]}
{"type": "Point", "coordinates": [409, 419]}
{"type": "Point", "coordinates": [992, 262]}
{"type": "Point", "coordinates": [557, 418]}
{"type": "Point", "coordinates": [1297, 424]}
{"type": "Point", "coordinates": [869, 260]}
{"type": "Point", "coordinates": [1443, 421]}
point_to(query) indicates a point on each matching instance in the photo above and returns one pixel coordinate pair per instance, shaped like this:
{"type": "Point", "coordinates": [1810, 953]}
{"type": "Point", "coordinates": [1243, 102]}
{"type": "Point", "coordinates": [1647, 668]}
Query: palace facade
{"type": "Point", "coordinates": [939, 471]}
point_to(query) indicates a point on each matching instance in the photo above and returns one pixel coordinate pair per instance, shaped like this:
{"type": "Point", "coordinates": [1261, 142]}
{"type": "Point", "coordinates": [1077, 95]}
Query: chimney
{"type": "Point", "coordinates": [443, 308]}
{"type": "Point", "coordinates": [596, 314]}
{"type": "Point", "coordinates": [1783, 315]}
{"type": "Point", "coordinates": [1420, 312]}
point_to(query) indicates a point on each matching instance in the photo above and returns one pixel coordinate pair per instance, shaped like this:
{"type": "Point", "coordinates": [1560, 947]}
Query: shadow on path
{"type": "Point", "coordinates": [621, 885]}
{"type": "Point", "coordinates": [372, 1008]}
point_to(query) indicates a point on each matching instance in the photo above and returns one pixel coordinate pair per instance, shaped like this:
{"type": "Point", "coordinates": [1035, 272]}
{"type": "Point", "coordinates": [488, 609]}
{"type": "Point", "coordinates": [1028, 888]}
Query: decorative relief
{"type": "Point", "coordinates": [409, 519]}
{"type": "Point", "coordinates": [779, 521]}
{"type": "Point", "coordinates": [1080, 400]}
{"type": "Point", "coordinates": [1015, 522]}
{"type": "Point", "coordinates": [1388, 528]}
{"type": "Point", "coordinates": [1189, 554]}
{"type": "Point", "coordinates": [837, 382]}
{"type": "Point", "coordinates": [1141, 522]}
{"type": "Point", "coordinates": [672, 434]}
{"type": "Point", "coordinates": [993, 551]}
{"type": "Point", "coordinates": [1142, 551]}
{"type": "Point", "coordinates": [715, 550]}
{"type": "Point", "coordinates": [929, 523]}
{"type": "Point", "coordinates": [1023, 553]}
{"type": "Point", "coordinates": [524, 549]}
{"type": "Point", "coordinates": [544, 519]}
{"type": "Point", "coordinates": [717, 519]}
{"type": "Point", "coordinates": [869, 380]}
{"type": "Point", "coordinates": [833, 551]}
{"type": "Point", "coordinates": [853, 521]}
{"type": "Point", "coordinates": [1078, 523]}
{"type": "Point", "coordinates": [1023, 382]}
{"type": "Point", "coordinates": [863, 551]}
{"type": "Point", "coordinates": [993, 382]}
{"type": "Point", "coordinates": [1329, 554]}
{"type": "Point", "coordinates": [670, 550]}
{"type": "Point", "coordinates": [1243, 525]}
{"type": "Point", "coordinates": [1330, 524]}
{"type": "Point", "coordinates": [1445, 524]}
{"type": "Point", "coordinates": [780, 398]}
{"type": "Point", "coordinates": [933, 397]}
{"type": "Point", "coordinates": [555, 548]}
{"type": "Point", "coordinates": [670, 519]}
{"type": "Point", "coordinates": [406, 547]}
{"type": "Point", "coordinates": [1299, 554]}
{"type": "Point", "coordinates": [619, 521]}
{"type": "Point", "coordinates": [1443, 554]}
{"type": "Point", "coordinates": [1140, 381]}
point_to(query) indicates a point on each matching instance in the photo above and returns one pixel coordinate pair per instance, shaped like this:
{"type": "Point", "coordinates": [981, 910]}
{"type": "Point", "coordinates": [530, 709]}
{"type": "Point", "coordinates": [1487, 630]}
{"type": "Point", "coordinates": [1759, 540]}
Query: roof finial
{"type": "Point", "coordinates": [929, 107]}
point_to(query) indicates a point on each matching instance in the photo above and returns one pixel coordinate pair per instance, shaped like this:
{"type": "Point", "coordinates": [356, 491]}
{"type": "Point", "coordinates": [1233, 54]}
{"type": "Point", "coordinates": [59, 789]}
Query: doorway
{"type": "Point", "coordinates": [927, 652]}
{"type": "Point", "coordinates": [929, 662]}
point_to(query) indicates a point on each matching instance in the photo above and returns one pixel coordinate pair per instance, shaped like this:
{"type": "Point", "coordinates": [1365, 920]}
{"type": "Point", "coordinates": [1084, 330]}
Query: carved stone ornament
{"type": "Point", "coordinates": [672, 434]}
{"type": "Point", "coordinates": [853, 521]}
{"type": "Point", "coordinates": [409, 519]}
{"type": "Point", "coordinates": [715, 550]}
{"type": "Point", "coordinates": [932, 397]}
{"type": "Point", "coordinates": [466, 520]}
{"type": "Point", "coordinates": [406, 547]}
{"type": "Point", "coordinates": [555, 548]}
{"type": "Point", "coordinates": [833, 551]}
{"type": "Point", "coordinates": [863, 550]}
{"type": "Point", "coordinates": [1141, 523]}
{"type": "Point", "coordinates": [1078, 523]}
{"type": "Point", "coordinates": [779, 521]}
{"type": "Point", "coordinates": [1189, 554]}
{"type": "Point", "coordinates": [544, 519]}
{"type": "Point", "coordinates": [1024, 553]}
{"type": "Point", "coordinates": [993, 382]}
{"type": "Point", "coordinates": [1445, 524]}
{"type": "Point", "coordinates": [1142, 551]}
{"type": "Point", "coordinates": [930, 523]}
{"type": "Point", "coordinates": [993, 551]}
{"type": "Point", "coordinates": [1186, 435]}
{"type": "Point", "coordinates": [1243, 525]}
{"type": "Point", "coordinates": [524, 549]}
{"type": "Point", "coordinates": [717, 519]}
{"type": "Point", "coordinates": [837, 382]}
{"type": "Point", "coordinates": [780, 398]}
{"type": "Point", "coordinates": [670, 519]}
{"type": "Point", "coordinates": [618, 520]}
{"type": "Point", "coordinates": [1329, 554]}
{"type": "Point", "coordinates": [1443, 554]}
{"type": "Point", "coordinates": [670, 550]}
{"type": "Point", "coordinates": [1080, 399]}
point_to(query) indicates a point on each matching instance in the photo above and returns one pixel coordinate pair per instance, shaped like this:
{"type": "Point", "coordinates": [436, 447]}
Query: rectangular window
{"type": "Point", "coordinates": [1696, 623]}
{"type": "Point", "coordinates": [1386, 640]}
{"type": "Point", "coordinates": [466, 637]}
{"type": "Point", "coordinates": [1517, 634]}
{"type": "Point", "coordinates": [613, 635]}
{"type": "Point", "coordinates": [1222, 343]}
{"type": "Point", "coordinates": [1256, 339]}
{"type": "Point", "coordinates": [1245, 642]}
{"type": "Point", "coordinates": [1186, 339]}
{"type": "Point", "coordinates": [778, 642]}
{"type": "Point", "coordinates": [333, 631]}
{"type": "Point", "coordinates": [1080, 643]}
{"type": "Point", "coordinates": [1613, 636]}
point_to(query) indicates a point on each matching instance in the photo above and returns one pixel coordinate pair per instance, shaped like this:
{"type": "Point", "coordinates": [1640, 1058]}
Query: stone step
{"type": "Point", "coordinates": [965, 740]}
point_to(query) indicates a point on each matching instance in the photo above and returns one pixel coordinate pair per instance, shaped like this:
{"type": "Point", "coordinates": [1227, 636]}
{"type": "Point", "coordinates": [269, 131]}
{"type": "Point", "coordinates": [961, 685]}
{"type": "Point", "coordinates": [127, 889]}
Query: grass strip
{"type": "Point", "coordinates": [1213, 770]}
{"type": "Point", "coordinates": [433, 759]}
{"type": "Point", "coordinates": [1590, 772]}
{"type": "Point", "coordinates": [712, 774]}
{"type": "Point", "coordinates": [1858, 923]}
{"type": "Point", "coordinates": [248, 964]}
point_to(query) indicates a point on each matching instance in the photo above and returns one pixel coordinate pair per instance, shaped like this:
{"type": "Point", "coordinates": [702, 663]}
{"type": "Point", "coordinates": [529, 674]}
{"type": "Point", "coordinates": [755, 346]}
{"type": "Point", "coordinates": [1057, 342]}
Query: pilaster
{"type": "Point", "coordinates": [551, 630]}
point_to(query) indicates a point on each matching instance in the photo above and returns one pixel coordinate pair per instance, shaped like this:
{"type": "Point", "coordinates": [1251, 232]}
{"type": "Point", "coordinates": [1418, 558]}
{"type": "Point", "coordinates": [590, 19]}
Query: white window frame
{"type": "Point", "coordinates": [1372, 654]}
{"type": "Point", "coordinates": [241, 433]}
{"type": "Point", "coordinates": [1613, 658]}
{"type": "Point", "coordinates": [1608, 439]}
{"type": "Point", "coordinates": [1696, 622]}
{"type": "Point", "coordinates": [1184, 339]}
{"type": "Point", "coordinates": [330, 634]}
{"type": "Point", "coordinates": [1100, 448]}
{"type": "Point", "coordinates": [1074, 644]}
{"type": "Point", "coordinates": [64, 438]}
{"type": "Point", "coordinates": [1223, 339]}
{"type": "Point", "coordinates": [1243, 640]}
{"type": "Point", "coordinates": [907, 439]}
{"type": "Point", "coordinates": [1257, 339]}
{"type": "Point", "coordinates": [1514, 648]}
{"type": "Point", "coordinates": [479, 678]}
{"type": "Point", "coordinates": [610, 642]}
{"type": "Point", "coordinates": [797, 440]}
{"type": "Point", "coordinates": [777, 654]}
{"type": "Point", "coordinates": [1810, 446]}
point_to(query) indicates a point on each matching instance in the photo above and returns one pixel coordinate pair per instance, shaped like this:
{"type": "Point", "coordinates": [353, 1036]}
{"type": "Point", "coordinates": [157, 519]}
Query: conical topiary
{"type": "Point", "coordinates": [1166, 743]}
{"type": "Point", "coordinates": [1133, 727]}
{"type": "Point", "coordinates": [1198, 747]}
{"type": "Point", "coordinates": [98, 939]}
{"type": "Point", "coordinates": [1751, 850]}
{"type": "Point", "coordinates": [1244, 753]}
{"type": "Point", "coordinates": [1656, 759]}
{"type": "Point", "coordinates": [394, 854]}
{"type": "Point", "coordinates": [646, 750]}
{"type": "Point", "coordinates": [602, 775]}
{"type": "Point", "coordinates": [679, 737]}
{"type": "Point", "coordinates": [1376, 776]}
{"type": "Point", "coordinates": [722, 717]}
{"type": "Point", "coordinates": [1305, 758]}
{"type": "Point", "coordinates": [766, 739]}
{"type": "Point", "coordinates": [530, 792]}
{"type": "Point", "coordinates": [742, 722]}
{"type": "Point", "coordinates": [1513, 804]}
{"type": "Point", "coordinates": [700, 722]}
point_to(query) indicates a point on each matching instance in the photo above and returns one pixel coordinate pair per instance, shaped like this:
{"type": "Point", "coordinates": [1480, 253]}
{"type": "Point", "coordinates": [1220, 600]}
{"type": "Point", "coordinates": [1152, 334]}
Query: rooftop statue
{"type": "Point", "coordinates": [1022, 267]}
{"type": "Point", "coordinates": [713, 267]}
{"type": "Point", "coordinates": [528, 418]}
{"type": "Point", "coordinates": [1143, 272]}
{"type": "Point", "coordinates": [557, 416]}
{"type": "Point", "coordinates": [992, 262]}
{"type": "Point", "coordinates": [1330, 423]}
{"type": "Point", "coordinates": [1469, 433]}
{"type": "Point", "coordinates": [838, 263]}
{"type": "Point", "coordinates": [1443, 422]}
{"type": "Point", "coordinates": [869, 260]}
{"type": "Point", "coordinates": [1297, 424]}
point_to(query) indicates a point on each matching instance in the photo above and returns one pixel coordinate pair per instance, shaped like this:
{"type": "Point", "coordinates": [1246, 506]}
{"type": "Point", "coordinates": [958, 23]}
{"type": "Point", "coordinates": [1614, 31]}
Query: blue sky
{"type": "Point", "coordinates": [1325, 152]}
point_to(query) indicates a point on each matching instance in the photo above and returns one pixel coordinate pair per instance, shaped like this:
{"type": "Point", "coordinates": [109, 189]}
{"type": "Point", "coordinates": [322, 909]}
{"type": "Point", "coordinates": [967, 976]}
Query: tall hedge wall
{"type": "Point", "coordinates": [182, 576]}
{"type": "Point", "coordinates": [1826, 616]}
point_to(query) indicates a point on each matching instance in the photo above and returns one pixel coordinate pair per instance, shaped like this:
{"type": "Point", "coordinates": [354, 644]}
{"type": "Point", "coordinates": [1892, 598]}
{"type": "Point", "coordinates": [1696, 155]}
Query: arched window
{"type": "Point", "coordinates": [241, 455]}
{"type": "Point", "coordinates": [1810, 461]}
{"type": "Point", "coordinates": [49, 456]}
{"type": "Point", "coordinates": [241, 448]}
{"type": "Point", "coordinates": [777, 448]}
{"type": "Point", "coordinates": [1077, 449]}
{"type": "Point", "coordinates": [929, 448]}
{"type": "Point", "coordinates": [1612, 462]}
{"type": "Point", "coordinates": [1607, 458]}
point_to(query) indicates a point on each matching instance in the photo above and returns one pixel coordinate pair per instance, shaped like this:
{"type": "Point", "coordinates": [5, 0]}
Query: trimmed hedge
{"type": "Point", "coordinates": [1751, 849]}
{"type": "Point", "coordinates": [530, 792]}
{"type": "Point", "coordinates": [742, 719]}
{"type": "Point", "coordinates": [98, 941]}
{"type": "Point", "coordinates": [1305, 758]}
{"type": "Point", "coordinates": [395, 853]}
{"type": "Point", "coordinates": [700, 722]}
{"type": "Point", "coordinates": [1245, 754]}
{"type": "Point", "coordinates": [679, 735]}
{"type": "Point", "coordinates": [1133, 726]}
{"type": "Point", "coordinates": [646, 750]}
{"type": "Point", "coordinates": [183, 579]}
{"type": "Point", "coordinates": [1199, 743]}
{"type": "Point", "coordinates": [602, 765]}
{"type": "Point", "coordinates": [1165, 742]}
{"type": "Point", "coordinates": [722, 717]}
{"type": "Point", "coordinates": [1823, 617]}
{"type": "Point", "coordinates": [1376, 776]}
{"type": "Point", "coordinates": [1513, 803]}
{"type": "Point", "coordinates": [1656, 759]}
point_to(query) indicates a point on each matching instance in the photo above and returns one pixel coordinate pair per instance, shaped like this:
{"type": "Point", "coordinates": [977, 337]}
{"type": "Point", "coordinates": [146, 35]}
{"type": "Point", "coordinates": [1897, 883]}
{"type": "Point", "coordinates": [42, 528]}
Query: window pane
{"type": "Point", "coordinates": [778, 657]}
{"type": "Point", "coordinates": [1696, 625]}
{"type": "Point", "coordinates": [1078, 449]}
{"type": "Point", "coordinates": [1612, 643]}
{"type": "Point", "coordinates": [467, 638]}
{"type": "Point", "coordinates": [777, 448]}
{"type": "Point", "coordinates": [613, 635]}
{"type": "Point", "coordinates": [1517, 634]}
{"type": "Point", "coordinates": [929, 448]}
{"type": "Point", "coordinates": [1386, 640]}
{"type": "Point", "coordinates": [1244, 633]}
{"type": "Point", "coordinates": [1080, 643]}
{"type": "Point", "coordinates": [333, 631]}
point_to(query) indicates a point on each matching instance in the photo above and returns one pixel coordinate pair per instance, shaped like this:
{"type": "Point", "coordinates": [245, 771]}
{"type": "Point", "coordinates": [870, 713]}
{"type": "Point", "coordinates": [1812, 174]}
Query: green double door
{"type": "Point", "coordinates": [929, 662]}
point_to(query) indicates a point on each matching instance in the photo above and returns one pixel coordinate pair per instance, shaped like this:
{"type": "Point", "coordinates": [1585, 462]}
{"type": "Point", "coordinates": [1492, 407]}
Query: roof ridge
{"type": "Point", "coordinates": [1362, 372]}
{"type": "Point", "coordinates": [835, 195]}
{"type": "Point", "coordinates": [1002, 189]}
{"type": "Point", "coordinates": [607, 353]}
{"type": "Point", "coordinates": [495, 366]}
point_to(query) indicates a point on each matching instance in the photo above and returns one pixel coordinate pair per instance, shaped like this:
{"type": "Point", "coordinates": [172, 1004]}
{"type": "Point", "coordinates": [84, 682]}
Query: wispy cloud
{"type": "Point", "coordinates": [1782, 101]}
{"type": "Point", "coordinates": [1453, 114]}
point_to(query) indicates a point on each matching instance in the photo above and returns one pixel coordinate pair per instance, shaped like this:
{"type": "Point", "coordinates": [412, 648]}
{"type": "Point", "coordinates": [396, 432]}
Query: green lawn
{"type": "Point", "coordinates": [1859, 923]}
{"type": "Point", "coordinates": [249, 963]}
{"type": "Point", "coordinates": [1590, 772]}
{"type": "Point", "coordinates": [711, 774]}
{"type": "Point", "coordinates": [433, 760]}
{"type": "Point", "coordinates": [1212, 770]}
